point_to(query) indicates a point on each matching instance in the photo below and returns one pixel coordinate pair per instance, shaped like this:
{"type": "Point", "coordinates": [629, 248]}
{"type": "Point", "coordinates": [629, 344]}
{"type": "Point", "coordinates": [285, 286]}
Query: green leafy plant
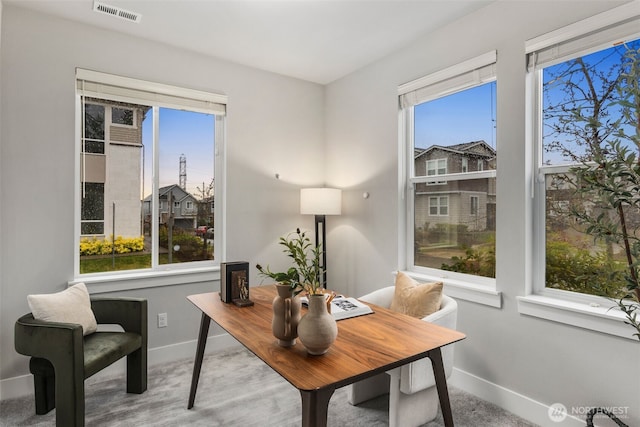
{"type": "Point", "coordinates": [610, 178]}
{"type": "Point", "coordinates": [305, 273]}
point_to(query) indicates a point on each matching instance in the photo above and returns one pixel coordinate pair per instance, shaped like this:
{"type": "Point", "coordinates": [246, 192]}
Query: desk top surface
{"type": "Point", "coordinates": [366, 345]}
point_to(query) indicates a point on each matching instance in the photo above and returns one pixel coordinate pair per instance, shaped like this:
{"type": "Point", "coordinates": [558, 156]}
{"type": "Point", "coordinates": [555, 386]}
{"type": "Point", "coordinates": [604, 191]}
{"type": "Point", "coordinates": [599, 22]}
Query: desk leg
{"type": "Point", "coordinates": [441, 385]}
{"type": "Point", "coordinates": [315, 405]}
{"type": "Point", "coordinates": [202, 343]}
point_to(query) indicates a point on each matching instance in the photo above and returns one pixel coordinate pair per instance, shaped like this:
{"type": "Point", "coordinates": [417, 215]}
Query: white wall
{"type": "Point", "coordinates": [275, 125]}
{"type": "Point", "coordinates": [523, 363]}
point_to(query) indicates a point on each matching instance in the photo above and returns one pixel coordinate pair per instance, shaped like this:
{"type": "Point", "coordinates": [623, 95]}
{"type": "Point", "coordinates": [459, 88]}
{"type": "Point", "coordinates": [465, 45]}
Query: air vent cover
{"type": "Point", "coordinates": [117, 12]}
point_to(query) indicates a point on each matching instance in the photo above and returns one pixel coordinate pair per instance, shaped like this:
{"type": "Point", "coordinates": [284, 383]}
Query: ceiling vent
{"type": "Point", "coordinates": [117, 12]}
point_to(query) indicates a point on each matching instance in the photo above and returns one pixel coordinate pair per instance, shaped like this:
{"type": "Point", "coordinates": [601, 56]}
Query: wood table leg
{"type": "Point", "coordinates": [315, 406]}
{"type": "Point", "coordinates": [205, 321]}
{"type": "Point", "coordinates": [441, 385]}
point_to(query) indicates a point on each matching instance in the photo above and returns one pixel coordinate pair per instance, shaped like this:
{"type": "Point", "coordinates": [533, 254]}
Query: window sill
{"type": "Point", "coordinates": [601, 319]}
{"type": "Point", "coordinates": [481, 294]}
{"type": "Point", "coordinates": [102, 283]}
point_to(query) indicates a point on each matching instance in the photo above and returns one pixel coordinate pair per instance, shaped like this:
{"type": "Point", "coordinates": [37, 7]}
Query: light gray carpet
{"type": "Point", "coordinates": [235, 389]}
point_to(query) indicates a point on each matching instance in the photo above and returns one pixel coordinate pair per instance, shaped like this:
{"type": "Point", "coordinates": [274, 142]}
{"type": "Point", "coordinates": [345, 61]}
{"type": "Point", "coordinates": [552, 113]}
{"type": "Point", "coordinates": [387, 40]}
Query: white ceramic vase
{"type": "Point", "coordinates": [317, 329]}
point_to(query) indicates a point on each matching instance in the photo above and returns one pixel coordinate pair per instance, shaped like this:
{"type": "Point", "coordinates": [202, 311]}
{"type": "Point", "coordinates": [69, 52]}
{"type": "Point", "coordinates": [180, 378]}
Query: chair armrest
{"type": "Point", "coordinates": [130, 313]}
{"type": "Point", "coordinates": [447, 315]}
{"type": "Point", "coordinates": [381, 297]}
{"type": "Point", "coordinates": [48, 340]}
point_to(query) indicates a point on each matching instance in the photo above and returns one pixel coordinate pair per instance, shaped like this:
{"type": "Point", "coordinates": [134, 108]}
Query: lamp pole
{"type": "Point", "coordinates": [321, 224]}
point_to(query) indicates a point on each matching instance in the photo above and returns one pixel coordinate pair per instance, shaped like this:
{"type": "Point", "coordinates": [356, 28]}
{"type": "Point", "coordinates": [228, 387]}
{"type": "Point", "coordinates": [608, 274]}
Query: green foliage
{"type": "Point", "coordinates": [306, 271]}
{"type": "Point", "coordinates": [192, 247]}
{"type": "Point", "coordinates": [610, 178]}
{"type": "Point", "coordinates": [576, 269]}
{"type": "Point", "coordinates": [95, 246]}
{"type": "Point", "coordinates": [480, 261]}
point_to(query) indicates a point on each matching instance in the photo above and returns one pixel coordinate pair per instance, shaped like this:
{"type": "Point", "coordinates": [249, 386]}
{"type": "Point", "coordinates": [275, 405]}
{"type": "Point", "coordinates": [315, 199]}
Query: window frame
{"type": "Point", "coordinates": [571, 308]}
{"type": "Point", "coordinates": [165, 97]}
{"type": "Point", "coordinates": [463, 286]}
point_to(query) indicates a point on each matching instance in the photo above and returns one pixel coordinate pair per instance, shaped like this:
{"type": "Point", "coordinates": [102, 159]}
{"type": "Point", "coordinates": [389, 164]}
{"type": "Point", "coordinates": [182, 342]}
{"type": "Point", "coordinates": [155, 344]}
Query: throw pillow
{"type": "Point", "coordinates": [69, 306]}
{"type": "Point", "coordinates": [414, 298]}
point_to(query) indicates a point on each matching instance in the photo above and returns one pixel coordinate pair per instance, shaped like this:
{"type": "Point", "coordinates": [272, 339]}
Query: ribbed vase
{"type": "Point", "coordinates": [317, 329]}
{"type": "Point", "coordinates": [286, 315]}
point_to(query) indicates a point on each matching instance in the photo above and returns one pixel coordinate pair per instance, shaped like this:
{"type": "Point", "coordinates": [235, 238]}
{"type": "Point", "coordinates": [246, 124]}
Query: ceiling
{"type": "Point", "coordinates": [315, 40]}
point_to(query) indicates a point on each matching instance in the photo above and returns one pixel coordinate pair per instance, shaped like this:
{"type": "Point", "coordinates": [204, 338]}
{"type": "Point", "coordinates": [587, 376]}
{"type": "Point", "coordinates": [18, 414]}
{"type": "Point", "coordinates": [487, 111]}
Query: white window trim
{"type": "Point", "coordinates": [173, 275]}
{"type": "Point", "coordinates": [481, 290]}
{"type": "Point", "coordinates": [465, 165]}
{"type": "Point", "coordinates": [570, 308]}
{"type": "Point", "coordinates": [171, 97]}
{"type": "Point", "coordinates": [458, 286]}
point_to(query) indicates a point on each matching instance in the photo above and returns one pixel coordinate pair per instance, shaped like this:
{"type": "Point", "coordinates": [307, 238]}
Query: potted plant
{"type": "Point", "coordinates": [305, 273]}
{"type": "Point", "coordinates": [317, 329]}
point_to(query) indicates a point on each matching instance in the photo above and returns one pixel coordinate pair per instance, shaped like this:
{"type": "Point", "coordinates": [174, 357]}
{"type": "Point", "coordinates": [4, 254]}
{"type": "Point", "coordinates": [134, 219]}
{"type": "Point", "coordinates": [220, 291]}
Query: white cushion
{"type": "Point", "coordinates": [69, 306]}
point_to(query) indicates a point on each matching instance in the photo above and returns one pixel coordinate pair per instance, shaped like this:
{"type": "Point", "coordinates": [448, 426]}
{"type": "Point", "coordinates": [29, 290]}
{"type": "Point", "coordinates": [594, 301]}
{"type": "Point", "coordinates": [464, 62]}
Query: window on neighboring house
{"type": "Point", "coordinates": [189, 205]}
{"type": "Point", "coordinates": [92, 217]}
{"type": "Point", "coordinates": [442, 224]}
{"type": "Point", "coordinates": [439, 206]}
{"type": "Point", "coordinates": [122, 116]}
{"type": "Point", "coordinates": [94, 129]}
{"type": "Point", "coordinates": [437, 167]}
{"type": "Point", "coordinates": [140, 148]}
{"type": "Point", "coordinates": [473, 201]}
{"type": "Point", "coordinates": [582, 86]}
{"type": "Point", "coordinates": [480, 166]}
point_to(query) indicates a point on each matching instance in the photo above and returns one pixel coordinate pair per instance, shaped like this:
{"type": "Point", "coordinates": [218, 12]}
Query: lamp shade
{"type": "Point", "coordinates": [320, 201]}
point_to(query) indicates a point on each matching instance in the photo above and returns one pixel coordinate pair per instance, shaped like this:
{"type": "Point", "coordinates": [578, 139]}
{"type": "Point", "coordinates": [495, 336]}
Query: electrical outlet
{"type": "Point", "coordinates": [162, 320]}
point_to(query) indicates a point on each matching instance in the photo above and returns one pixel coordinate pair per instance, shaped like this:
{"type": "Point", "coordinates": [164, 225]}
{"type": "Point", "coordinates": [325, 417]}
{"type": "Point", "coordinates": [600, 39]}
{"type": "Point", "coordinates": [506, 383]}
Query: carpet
{"type": "Point", "coordinates": [235, 389]}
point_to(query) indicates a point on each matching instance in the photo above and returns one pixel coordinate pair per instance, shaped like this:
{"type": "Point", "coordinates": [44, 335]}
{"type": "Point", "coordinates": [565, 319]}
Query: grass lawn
{"type": "Point", "coordinates": [122, 262]}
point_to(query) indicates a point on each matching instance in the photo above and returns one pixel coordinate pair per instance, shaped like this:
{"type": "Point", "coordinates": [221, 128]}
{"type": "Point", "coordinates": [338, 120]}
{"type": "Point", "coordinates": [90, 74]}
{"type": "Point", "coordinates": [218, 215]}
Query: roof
{"type": "Point", "coordinates": [180, 194]}
{"type": "Point", "coordinates": [477, 148]}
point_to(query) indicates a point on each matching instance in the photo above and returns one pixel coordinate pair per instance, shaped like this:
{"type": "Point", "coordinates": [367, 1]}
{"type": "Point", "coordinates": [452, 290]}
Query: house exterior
{"type": "Point", "coordinates": [111, 168]}
{"type": "Point", "coordinates": [183, 207]}
{"type": "Point", "coordinates": [470, 203]}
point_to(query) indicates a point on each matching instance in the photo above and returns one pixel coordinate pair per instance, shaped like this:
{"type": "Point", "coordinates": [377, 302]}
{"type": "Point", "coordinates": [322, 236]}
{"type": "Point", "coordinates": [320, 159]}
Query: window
{"type": "Point", "coordinates": [145, 148]}
{"type": "Point", "coordinates": [581, 123]}
{"type": "Point", "coordinates": [449, 120]}
{"type": "Point", "coordinates": [122, 116]}
{"type": "Point", "coordinates": [439, 206]}
{"type": "Point", "coordinates": [480, 165]}
{"type": "Point", "coordinates": [473, 204]}
{"type": "Point", "coordinates": [93, 136]}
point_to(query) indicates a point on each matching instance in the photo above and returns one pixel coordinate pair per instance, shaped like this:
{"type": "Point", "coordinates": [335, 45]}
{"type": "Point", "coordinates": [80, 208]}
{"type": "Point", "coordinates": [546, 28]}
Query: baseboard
{"type": "Point", "coordinates": [23, 385]}
{"type": "Point", "coordinates": [516, 403]}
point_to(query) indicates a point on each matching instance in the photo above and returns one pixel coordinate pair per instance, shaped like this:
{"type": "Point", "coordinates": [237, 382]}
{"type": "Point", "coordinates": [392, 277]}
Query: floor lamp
{"type": "Point", "coordinates": [321, 202]}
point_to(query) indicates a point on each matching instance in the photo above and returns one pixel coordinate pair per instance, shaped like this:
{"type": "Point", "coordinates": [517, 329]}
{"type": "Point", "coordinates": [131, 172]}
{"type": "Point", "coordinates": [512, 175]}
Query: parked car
{"type": "Point", "coordinates": [201, 230]}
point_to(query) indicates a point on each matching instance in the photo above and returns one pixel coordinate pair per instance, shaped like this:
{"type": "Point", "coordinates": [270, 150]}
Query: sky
{"type": "Point", "coordinates": [181, 133]}
{"type": "Point", "coordinates": [600, 62]}
{"type": "Point", "coordinates": [458, 118]}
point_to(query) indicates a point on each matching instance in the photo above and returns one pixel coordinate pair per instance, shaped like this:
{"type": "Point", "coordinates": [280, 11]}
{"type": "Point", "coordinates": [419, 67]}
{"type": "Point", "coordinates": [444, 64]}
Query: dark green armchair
{"type": "Point", "coordinates": [61, 358]}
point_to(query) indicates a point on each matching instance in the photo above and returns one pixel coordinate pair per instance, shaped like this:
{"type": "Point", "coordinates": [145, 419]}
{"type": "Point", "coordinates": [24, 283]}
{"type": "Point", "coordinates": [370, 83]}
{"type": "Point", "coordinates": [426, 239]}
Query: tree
{"type": "Point", "coordinates": [597, 126]}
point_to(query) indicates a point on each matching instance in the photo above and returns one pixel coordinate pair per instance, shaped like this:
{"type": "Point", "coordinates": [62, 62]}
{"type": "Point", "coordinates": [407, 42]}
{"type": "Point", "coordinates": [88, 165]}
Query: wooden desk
{"type": "Point", "coordinates": [366, 346]}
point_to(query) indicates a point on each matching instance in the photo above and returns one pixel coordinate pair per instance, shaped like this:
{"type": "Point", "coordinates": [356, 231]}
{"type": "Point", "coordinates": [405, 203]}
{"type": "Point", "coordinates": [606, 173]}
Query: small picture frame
{"type": "Point", "coordinates": [234, 283]}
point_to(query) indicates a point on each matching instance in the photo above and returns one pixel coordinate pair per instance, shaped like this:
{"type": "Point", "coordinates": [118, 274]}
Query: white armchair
{"type": "Point", "coordinates": [413, 398]}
